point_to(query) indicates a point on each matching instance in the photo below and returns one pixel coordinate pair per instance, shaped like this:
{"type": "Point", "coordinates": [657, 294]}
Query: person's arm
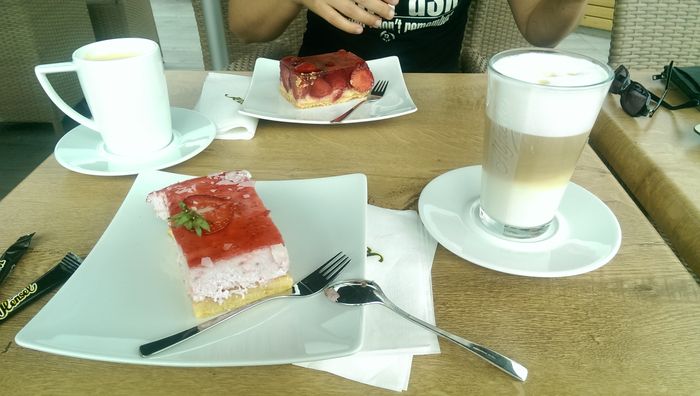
{"type": "Point", "coordinates": [260, 20]}
{"type": "Point", "coordinates": [265, 20]}
{"type": "Point", "coordinates": [544, 23]}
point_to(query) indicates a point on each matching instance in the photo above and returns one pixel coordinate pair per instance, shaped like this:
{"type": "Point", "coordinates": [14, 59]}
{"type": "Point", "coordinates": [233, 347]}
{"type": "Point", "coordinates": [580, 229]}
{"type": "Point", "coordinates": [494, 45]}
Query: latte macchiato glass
{"type": "Point", "coordinates": [124, 87]}
{"type": "Point", "coordinates": [541, 105]}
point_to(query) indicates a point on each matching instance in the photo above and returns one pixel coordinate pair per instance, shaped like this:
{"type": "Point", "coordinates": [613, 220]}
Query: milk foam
{"type": "Point", "coordinates": [546, 94]}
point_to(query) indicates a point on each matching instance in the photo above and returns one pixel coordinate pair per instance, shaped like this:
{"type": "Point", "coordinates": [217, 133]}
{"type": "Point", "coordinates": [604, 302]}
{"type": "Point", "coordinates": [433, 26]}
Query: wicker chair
{"type": "Point", "coordinates": [122, 18]}
{"type": "Point", "coordinates": [490, 29]}
{"type": "Point", "coordinates": [242, 55]}
{"type": "Point", "coordinates": [647, 34]}
{"type": "Point", "coordinates": [37, 32]}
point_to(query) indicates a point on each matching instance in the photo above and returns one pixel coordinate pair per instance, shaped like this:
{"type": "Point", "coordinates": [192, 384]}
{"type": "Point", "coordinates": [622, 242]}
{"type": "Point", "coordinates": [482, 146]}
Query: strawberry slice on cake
{"type": "Point", "coordinates": [229, 248]}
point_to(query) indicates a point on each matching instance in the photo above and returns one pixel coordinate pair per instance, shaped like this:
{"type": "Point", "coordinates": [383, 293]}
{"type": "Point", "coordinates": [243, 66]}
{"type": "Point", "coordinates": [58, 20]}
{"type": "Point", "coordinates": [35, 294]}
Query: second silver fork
{"type": "Point", "coordinates": [377, 93]}
{"type": "Point", "coordinates": [312, 284]}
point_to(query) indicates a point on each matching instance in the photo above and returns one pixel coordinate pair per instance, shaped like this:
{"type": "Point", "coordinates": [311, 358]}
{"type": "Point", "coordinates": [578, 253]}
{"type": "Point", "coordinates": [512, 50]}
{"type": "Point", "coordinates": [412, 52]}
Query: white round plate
{"type": "Point", "coordinates": [82, 149]}
{"type": "Point", "coordinates": [587, 237]}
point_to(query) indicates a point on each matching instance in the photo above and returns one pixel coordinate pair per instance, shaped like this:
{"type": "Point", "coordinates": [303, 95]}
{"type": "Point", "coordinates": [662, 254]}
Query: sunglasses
{"type": "Point", "coordinates": [634, 98]}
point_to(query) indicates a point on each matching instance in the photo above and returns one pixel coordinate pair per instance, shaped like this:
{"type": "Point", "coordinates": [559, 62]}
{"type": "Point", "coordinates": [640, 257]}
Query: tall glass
{"type": "Point", "coordinates": [540, 107]}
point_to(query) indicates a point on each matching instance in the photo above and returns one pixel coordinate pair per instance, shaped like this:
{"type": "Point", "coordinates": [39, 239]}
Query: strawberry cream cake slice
{"type": "Point", "coordinates": [231, 251]}
{"type": "Point", "coordinates": [325, 79]}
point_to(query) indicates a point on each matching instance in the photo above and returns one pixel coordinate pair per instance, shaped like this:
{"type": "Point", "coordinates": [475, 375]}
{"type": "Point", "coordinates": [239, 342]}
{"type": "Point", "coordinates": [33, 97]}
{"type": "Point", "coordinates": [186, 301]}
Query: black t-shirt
{"type": "Point", "coordinates": [426, 35]}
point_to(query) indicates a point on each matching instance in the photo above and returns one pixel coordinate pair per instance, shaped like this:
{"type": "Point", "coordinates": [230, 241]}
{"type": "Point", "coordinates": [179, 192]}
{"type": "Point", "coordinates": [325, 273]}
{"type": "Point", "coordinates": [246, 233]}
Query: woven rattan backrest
{"type": "Point", "coordinates": [114, 19]}
{"type": "Point", "coordinates": [490, 29]}
{"type": "Point", "coordinates": [33, 33]}
{"type": "Point", "coordinates": [647, 34]}
{"type": "Point", "coordinates": [242, 55]}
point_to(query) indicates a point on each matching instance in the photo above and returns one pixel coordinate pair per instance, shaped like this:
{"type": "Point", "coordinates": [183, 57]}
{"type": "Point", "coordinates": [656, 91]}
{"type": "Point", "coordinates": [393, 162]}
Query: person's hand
{"type": "Point", "coordinates": [351, 15]}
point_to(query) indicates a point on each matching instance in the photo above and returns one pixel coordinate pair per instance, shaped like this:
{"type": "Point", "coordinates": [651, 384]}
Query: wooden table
{"type": "Point", "coordinates": [658, 160]}
{"type": "Point", "coordinates": [630, 327]}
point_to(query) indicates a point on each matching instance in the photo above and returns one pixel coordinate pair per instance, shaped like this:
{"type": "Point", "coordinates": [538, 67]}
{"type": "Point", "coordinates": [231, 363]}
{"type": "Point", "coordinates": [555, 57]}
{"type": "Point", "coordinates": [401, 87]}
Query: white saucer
{"type": "Point", "coordinates": [82, 149]}
{"type": "Point", "coordinates": [587, 237]}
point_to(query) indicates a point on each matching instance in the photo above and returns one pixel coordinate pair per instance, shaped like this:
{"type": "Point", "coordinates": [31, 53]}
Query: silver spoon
{"type": "Point", "coordinates": [360, 292]}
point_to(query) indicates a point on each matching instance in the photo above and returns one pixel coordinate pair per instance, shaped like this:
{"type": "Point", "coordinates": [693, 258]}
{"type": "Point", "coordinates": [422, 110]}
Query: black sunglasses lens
{"type": "Point", "coordinates": [621, 80]}
{"type": "Point", "coordinates": [635, 100]}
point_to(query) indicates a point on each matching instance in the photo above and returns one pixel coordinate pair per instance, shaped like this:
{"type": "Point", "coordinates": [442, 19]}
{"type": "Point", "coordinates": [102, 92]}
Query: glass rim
{"type": "Point", "coordinates": [515, 51]}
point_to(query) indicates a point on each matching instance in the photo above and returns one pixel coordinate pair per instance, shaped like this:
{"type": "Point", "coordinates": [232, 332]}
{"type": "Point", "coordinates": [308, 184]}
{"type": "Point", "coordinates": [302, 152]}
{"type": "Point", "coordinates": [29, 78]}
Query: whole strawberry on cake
{"type": "Point", "coordinates": [228, 246]}
{"type": "Point", "coordinates": [325, 79]}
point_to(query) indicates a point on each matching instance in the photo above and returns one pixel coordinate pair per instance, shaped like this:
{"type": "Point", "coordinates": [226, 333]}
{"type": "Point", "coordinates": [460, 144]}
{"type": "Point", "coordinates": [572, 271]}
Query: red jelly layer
{"type": "Point", "coordinates": [249, 227]}
{"type": "Point", "coordinates": [325, 78]}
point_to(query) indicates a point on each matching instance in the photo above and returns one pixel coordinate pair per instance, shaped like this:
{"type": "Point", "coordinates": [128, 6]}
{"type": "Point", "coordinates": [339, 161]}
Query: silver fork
{"type": "Point", "coordinates": [312, 284]}
{"type": "Point", "coordinates": [377, 92]}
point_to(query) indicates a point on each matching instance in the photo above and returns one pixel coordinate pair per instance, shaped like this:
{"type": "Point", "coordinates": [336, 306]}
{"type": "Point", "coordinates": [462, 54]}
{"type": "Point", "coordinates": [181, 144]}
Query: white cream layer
{"type": "Point", "coordinates": [222, 279]}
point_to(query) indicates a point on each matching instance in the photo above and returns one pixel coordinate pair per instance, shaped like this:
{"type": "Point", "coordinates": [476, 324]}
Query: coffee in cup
{"type": "Point", "coordinates": [541, 105]}
{"type": "Point", "coordinates": [124, 86]}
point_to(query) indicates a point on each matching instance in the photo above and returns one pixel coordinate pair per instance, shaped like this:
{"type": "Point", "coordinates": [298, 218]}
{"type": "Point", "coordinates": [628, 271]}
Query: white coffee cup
{"type": "Point", "coordinates": [124, 87]}
{"type": "Point", "coordinates": [541, 105]}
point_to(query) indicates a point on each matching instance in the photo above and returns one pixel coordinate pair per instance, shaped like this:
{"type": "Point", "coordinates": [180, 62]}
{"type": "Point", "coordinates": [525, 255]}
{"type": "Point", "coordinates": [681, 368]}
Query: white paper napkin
{"type": "Point", "coordinates": [389, 340]}
{"type": "Point", "coordinates": [218, 102]}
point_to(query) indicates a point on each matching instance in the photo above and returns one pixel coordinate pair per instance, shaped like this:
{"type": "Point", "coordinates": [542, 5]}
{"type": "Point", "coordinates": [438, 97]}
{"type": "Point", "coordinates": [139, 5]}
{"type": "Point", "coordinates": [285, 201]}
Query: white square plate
{"type": "Point", "coordinates": [265, 101]}
{"type": "Point", "coordinates": [128, 291]}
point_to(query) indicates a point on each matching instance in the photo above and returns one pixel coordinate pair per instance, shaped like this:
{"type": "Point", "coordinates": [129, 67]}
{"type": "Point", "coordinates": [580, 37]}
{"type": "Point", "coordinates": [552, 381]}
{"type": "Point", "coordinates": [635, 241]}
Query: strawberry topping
{"type": "Point", "coordinates": [284, 76]}
{"type": "Point", "coordinates": [362, 79]}
{"type": "Point", "coordinates": [322, 79]}
{"type": "Point", "coordinates": [320, 88]}
{"type": "Point", "coordinates": [305, 67]}
{"type": "Point", "coordinates": [337, 79]}
{"type": "Point", "coordinates": [216, 211]}
{"type": "Point", "coordinates": [231, 207]}
{"type": "Point", "coordinates": [299, 88]}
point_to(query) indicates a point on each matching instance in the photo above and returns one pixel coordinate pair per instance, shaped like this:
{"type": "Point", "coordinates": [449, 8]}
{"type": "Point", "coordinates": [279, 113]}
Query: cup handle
{"type": "Point", "coordinates": [41, 71]}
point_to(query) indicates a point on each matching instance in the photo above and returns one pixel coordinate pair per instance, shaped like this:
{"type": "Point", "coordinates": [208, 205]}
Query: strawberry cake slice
{"type": "Point", "coordinates": [229, 248]}
{"type": "Point", "coordinates": [325, 79]}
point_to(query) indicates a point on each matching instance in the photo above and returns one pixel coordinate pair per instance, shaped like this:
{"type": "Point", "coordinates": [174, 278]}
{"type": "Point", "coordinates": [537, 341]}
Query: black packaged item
{"type": "Point", "coordinates": [45, 283]}
{"type": "Point", "coordinates": [11, 256]}
{"type": "Point", "coordinates": [687, 80]}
